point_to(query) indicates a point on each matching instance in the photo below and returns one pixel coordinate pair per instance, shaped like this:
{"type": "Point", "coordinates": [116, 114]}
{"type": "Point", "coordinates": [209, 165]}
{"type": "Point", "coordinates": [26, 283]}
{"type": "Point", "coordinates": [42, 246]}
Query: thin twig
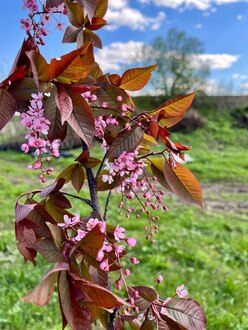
{"type": "Point", "coordinates": [87, 201]}
{"type": "Point", "coordinates": [101, 166]}
{"type": "Point", "coordinates": [106, 205]}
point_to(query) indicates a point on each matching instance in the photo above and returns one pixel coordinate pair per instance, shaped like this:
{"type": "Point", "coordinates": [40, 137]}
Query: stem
{"type": "Point", "coordinates": [87, 201]}
{"type": "Point", "coordinates": [106, 206]}
{"type": "Point", "coordinates": [92, 185]}
{"type": "Point", "coordinates": [101, 166]}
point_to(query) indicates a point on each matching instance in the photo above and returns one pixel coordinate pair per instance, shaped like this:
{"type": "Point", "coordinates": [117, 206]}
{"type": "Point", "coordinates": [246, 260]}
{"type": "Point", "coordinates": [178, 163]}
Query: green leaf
{"type": "Point", "coordinates": [186, 312]}
{"type": "Point", "coordinates": [136, 79]}
{"type": "Point", "coordinates": [183, 183]}
{"type": "Point", "coordinates": [126, 141]}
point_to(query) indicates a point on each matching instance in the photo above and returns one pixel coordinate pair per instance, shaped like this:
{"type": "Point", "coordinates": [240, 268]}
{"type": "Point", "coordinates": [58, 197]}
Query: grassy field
{"type": "Point", "coordinates": [206, 250]}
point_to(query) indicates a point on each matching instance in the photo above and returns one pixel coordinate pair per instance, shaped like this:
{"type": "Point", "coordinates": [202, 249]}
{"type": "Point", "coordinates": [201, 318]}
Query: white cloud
{"type": "Point", "coordinates": [198, 4]}
{"type": "Point", "coordinates": [239, 76]}
{"type": "Point", "coordinates": [118, 55]}
{"type": "Point", "coordinates": [198, 26]}
{"type": "Point", "coordinates": [240, 17]}
{"type": "Point", "coordinates": [214, 61]}
{"type": "Point", "coordinates": [120, 14]}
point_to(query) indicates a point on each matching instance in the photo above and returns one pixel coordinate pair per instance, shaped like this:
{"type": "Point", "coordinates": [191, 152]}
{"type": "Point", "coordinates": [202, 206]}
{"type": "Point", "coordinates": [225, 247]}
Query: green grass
{"type": "Point", "coordinates": [205, 250]}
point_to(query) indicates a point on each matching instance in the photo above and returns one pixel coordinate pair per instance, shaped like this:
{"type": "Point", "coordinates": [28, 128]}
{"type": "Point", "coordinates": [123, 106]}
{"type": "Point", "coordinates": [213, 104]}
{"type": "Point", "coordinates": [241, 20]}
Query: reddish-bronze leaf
{"type": "Point", "coordinates": [73, 66]}
{"type": "Point", "coordinates": [22, 89]}
{"type": "Point", "coordinates": [172, 111]}
{"type": "Point", "coordinates": [23, 210]}
{"type": "Point", "coordinates": [102, 7]}
{"type": "Point", "coordinates": [8, 107]}
{"type": "Point", "coordinates": [91, 162]}
{"type": "Point", "coordinates": [40, 67]}
{"type": "Point", "coordinates": [115, 79]}
{"type": "Point", "coordinates": [90, 7]}
{"type": "Point", "coordinates": [146, 297]}
{"type": "Point", "coordinates": [47, 249]}
{"type": "Point", "coordinates": [101, 297]}
{"type": "Point", "coordinates": [70, 35]}
{"type": "Point", "coordinates": [57, 234]}
{"type": "Point", "coordinates": [19, 73]}
{"type": "Point", "coordinates": [92, 241]}
{"type": "Point", "coordinates": [77, 177]}
{"type": "Point", "coordinates": [135, 79]}
{"type": "Point", "coordinates": [185, 312]}
{"type": "Point", "coordinates": [66, 173]}
{"type": "Point", "coordinates": [60, 200]}
{"type": "Point", "coordinates": [82, 120]}
{"type": "Point", "coordinates": [183, 183]}
{"type": "Point", "coordinates": [43, 292]}
{"type": "Point", "coordinates": [125, 141]}
{"type": "Point", "coordinates": [92, 37]}
{"type": "Point", "coordinates": [75, 13]}
{"type": "Point", "coordinates": [96, 23]}
{"type": "Point", "coordinates": [53, 3]}
{"type": "Point", "coordinates": [52, 113]}
{"type": "Point", "coordinates": [25, 237]}
{"type": "Point", "coordinates": [57, 185]}
{"type": "Point", "coordinates": [64, 102]}
{"type": "Point", "coordinates": [158, 172]}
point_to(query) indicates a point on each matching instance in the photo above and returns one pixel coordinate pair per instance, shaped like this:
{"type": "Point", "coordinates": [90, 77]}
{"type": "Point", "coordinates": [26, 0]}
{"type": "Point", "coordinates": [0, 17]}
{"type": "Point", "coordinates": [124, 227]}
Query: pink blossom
{"type": "Point", "coordinates": [119, 233]}
{"type": "Point", "coordinates": [127, 272]}
{"type": "Point", "coordinates": [80, 234]}
{"type": "Point", "coordinates": [119, 249]}
{"type": "Point", "coordinates": [92, 222]}
{"type": "Point", "coordinates": [104, 265]}
{"type": "Point", "coordinates": [100, 255]}
{"type": "Point", "coordinates": [119, 98]}
{"type": "Point", "coordinates": [160, 279]}
{"type": "Point", "coordinates": [26, 24]}
{"type": "Point", "coordinates": [130, 241]}
{"type": "Point", "coordinates": [134, 261]}
{"type": "Point", "coordinates": [107, 178]}
{"type": "Point", "coordinates": [25, 148]}
{"type": "Point", "coordinates": [104, 104]}
{"type": "Point", "coordinates": [59, 26]}
{"type": "Point", "coordinates": [181, 291]}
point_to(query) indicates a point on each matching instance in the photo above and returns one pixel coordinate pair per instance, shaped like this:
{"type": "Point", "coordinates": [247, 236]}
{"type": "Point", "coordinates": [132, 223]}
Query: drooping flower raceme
{"type": "Point", "coordinates": [38, 127]}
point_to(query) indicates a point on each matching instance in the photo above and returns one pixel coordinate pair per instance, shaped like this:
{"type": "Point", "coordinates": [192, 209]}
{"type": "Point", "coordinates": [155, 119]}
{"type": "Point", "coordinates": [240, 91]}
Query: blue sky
{"type": "Point", "coordinates": [222, 26]}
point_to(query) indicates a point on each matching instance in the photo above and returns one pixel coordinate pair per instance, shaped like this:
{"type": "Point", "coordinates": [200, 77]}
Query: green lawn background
{"type": "Point", "coordinates": [206, 250]}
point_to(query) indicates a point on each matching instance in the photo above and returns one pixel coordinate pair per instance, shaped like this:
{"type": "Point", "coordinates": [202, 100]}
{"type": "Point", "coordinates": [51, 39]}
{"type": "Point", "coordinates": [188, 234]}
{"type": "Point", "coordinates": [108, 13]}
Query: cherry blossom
{"type": "Point", "coordinates": [119, 233]}
{"type": "Point", "coordinates": [181, 291]}
{"type": "Point", "coordinates": [160, 279]}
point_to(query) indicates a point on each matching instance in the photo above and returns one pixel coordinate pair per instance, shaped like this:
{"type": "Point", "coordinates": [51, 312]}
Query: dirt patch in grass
{"type": "Point", "coordinates": [228, 197]}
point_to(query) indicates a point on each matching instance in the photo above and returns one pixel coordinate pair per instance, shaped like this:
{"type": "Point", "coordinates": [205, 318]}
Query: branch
{"type": "Point", "coordinates": [92, 185]}
{"type": "Point", "coordinates": [106, 205]}
{"type": "Point", "coordinates": [87, 201]}
{"type": "Point", "coordinates": [101, 166]}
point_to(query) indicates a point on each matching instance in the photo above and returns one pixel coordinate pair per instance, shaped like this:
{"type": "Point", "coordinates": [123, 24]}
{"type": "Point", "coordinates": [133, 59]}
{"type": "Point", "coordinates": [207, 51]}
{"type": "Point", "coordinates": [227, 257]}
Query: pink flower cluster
{"type": "Point", "coordinates": [89, 97]}
{"type": "Point", "coordinates": [108, 245]}
{"type": "Point", "coordinates": [38, 127]}
{"type": "Point", "coordinates": [130, 169]}
{"type": "Point", "coordinates": [34, 29]}
{"type": "Point", "coordinates": [100, 125]}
